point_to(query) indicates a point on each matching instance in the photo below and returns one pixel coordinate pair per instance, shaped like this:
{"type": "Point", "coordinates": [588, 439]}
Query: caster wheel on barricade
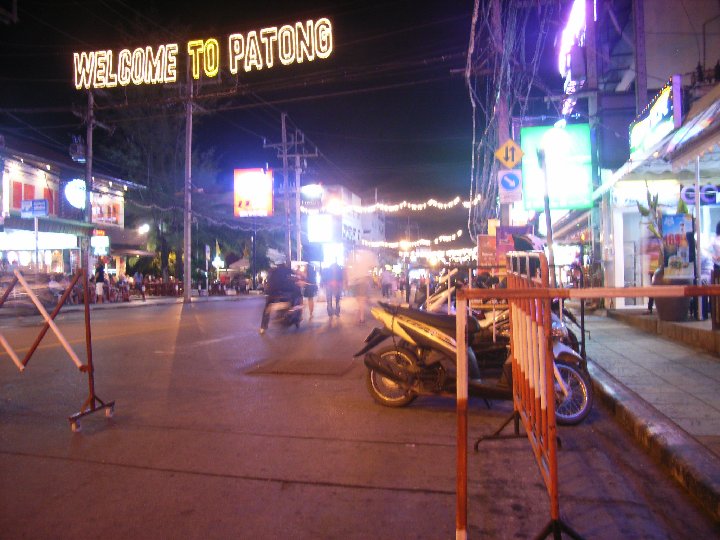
{"type": "Point", "coordinates": [75, 426]}
{"type": "Point", "coordinates": [109, 411]}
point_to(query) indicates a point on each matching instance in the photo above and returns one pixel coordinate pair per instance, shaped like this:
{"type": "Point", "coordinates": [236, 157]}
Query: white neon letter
{"type": "Point", "coordinates": [323, 38]}
{"type": "Point", "coordinates": [137, 69]}
{"type": "Point", "coordinates": [286, 45]}
{"type": "Point", "coordinates": [253, 56]}
{"type": "Point", "coordinates": [195, 50]}
{"type": "Point", "coordinates": [84, 68]}
{"type": "Point", "coordinates": [236, 48]}
{"type": "Point", "coordinates": [124, 67]}
{"type": "Point", "coordinates": [170, 74]}
{"type": "Point", "coordinates": [100, 75]}
{"type": "Point", "coordinates": [211, 52]}
{"type": "Point", "coordinates": [268, 36]}
{"type": "Point", "coordinates": [111, 74]}
{"type": "Point", "coordinates": [304, 46]}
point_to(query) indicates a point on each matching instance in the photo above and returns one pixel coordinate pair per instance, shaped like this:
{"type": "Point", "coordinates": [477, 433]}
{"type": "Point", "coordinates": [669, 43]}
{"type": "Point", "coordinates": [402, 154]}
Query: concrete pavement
{"type": "Point", "coordinates": [663, 391]}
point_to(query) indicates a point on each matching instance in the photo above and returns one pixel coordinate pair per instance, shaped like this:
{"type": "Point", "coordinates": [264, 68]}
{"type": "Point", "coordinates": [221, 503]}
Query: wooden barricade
{"type": "Point", "coordinates": [530, 296]}
{"type": "Point", "coordinates": [92, 403]}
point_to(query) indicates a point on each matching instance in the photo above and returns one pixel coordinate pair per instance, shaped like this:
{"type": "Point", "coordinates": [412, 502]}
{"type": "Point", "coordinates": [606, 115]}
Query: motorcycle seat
{"type": "Point", "coordinates": [443, 322]}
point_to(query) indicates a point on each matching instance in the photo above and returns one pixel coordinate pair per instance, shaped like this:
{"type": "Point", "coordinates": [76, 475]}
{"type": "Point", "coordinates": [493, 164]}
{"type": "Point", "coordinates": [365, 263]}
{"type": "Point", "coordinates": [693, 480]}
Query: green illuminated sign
{"type": "Point", "coordinates": [568, 163]}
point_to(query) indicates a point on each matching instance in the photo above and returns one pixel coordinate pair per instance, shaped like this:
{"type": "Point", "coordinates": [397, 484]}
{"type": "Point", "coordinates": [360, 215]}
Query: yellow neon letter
{"type": "Point", "coordinates": [100, 77]}
{"type": "Point", "coordinates": [211, 51]}
{"type": "Point", "coordinates": [124, 63]}
{"type": "Point", "coordinates": [195, 50]}
{"type": "Point", "coordinates": [304, 45]}
{"type": "Point", "coordinates": [112, 76]}
{"type": "Point", "coordinates": [170, 74]}
{"type": "Point", "coordinates": [236, 47]}
{"type": "Point", "coordinates": [84, 68]}
{"type": "Point", "coordinates": [323, 38]}
{"type": "Point", "coordinates": [154, 63]}
{"type": "Point", "coordinates": [253, 56]}
{"type": "Point", "coordinates": [286, 45]}
{"type": "Point", "coordinates": [137, 69]}
{"type": "Point", "coordinates": [268, 36]}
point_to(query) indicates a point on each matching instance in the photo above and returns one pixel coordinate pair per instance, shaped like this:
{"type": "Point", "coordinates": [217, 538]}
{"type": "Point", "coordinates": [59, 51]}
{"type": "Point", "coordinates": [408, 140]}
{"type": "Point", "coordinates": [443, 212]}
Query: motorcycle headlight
{"type": "Point", "coordinates": [558, 330]}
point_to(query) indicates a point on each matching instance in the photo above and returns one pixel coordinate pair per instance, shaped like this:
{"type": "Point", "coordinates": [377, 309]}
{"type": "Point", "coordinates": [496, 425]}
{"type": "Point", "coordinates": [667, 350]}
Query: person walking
{"type": "Point", "coordinates": [138, 282]}
{"type": "Point", "coordinates": [386, 282]}
{"type": "Point", "coordinates": [311, 288]}
{"type": "Point", "coordinates": [333, 279]}
{"type": "Point", "coordinates": [99, 282]}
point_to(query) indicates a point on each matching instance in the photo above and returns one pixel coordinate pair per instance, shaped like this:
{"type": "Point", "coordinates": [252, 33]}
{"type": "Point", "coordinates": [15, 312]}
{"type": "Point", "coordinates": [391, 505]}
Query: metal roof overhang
{"type": "Point", "coordinates": [675, 155]}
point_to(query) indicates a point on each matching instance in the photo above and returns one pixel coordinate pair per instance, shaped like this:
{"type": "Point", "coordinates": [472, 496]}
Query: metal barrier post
{"type": "Point", "coordinates": [462, 418]}
{"type": "Point", "coordinates": [92, 403]}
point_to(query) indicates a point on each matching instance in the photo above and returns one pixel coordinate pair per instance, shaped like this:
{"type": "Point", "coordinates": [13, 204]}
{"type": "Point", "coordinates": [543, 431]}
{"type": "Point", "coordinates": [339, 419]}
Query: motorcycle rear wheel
{"type": "Point", "coordinates": [573, 408]}
{"type": "Point", "coordinates": [386, 391]}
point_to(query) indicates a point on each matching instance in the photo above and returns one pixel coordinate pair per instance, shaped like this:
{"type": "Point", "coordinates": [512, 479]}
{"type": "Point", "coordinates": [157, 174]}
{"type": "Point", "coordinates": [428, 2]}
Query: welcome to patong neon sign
{"type": "Point", "coordinates": [253, 50]}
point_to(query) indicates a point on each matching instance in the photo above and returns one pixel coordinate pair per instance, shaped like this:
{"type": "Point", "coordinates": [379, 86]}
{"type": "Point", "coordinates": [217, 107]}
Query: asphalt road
{"type": "Point", "coordinates": [219, 432]}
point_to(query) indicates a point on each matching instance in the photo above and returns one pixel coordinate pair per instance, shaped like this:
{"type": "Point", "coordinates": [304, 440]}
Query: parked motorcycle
{"type": "Point", "coordinates": [422, 360]}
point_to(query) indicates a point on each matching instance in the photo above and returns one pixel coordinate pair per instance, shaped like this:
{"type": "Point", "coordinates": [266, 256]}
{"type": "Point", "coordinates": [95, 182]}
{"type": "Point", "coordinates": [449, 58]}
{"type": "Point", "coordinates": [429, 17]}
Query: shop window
{"type": "Point", "coordinates": [17, 195]}
{"type": "Point", "coordinates": [49, 195]}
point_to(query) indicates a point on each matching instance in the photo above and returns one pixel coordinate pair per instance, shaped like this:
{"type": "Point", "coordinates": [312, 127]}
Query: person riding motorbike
{"type": "Point", "coordinates": [282, 286]}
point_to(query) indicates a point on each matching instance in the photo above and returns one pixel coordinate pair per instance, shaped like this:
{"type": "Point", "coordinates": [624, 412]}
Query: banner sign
{"type": "Point", "coordinates": [677, 233]}
{"type": "Point", "coordinates": [253, 193]}
{"type": "Point", "coordinates": [504, 240]}
{"type": "Point", "coordinates": [252, 50]}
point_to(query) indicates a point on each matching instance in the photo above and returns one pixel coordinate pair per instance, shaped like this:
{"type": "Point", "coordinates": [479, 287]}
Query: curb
{"type": "Point", "coordinates": [692, 465]}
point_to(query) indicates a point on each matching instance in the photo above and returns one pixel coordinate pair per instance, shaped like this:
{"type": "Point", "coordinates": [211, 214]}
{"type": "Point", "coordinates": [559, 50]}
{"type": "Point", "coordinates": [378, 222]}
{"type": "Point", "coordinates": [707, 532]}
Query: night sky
{"type": "Point", "coordinates": [388, 111]}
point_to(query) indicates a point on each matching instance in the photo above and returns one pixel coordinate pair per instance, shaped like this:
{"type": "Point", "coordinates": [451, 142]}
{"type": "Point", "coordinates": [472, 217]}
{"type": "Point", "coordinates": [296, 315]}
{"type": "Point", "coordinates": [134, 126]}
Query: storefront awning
{"type": "Point", "coordinates": [130, 252]}
{"type": "Point", "coordinates": [54, 225]}
{"type": "Point", "coordinates": [699, 136]}
{"type": "Point", "coordinates": [674, 155]}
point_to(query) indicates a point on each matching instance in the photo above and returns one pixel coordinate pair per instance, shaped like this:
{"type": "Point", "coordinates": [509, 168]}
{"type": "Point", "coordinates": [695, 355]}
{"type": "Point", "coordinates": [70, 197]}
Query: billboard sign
{"type": "Point", "coordinates": [568, 163]}
{"type": "Point", "coordinates": [253, 193]}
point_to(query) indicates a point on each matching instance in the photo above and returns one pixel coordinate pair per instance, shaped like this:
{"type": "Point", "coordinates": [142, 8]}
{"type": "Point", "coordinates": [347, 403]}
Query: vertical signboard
{"type": "Point", "coordinates": [253, 193]}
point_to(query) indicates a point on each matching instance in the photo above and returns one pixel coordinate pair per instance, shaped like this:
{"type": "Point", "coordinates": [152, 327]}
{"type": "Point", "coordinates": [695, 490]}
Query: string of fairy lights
{"type": "Point", "coordinates": [405, 245]}
{"type": "Point", "coordinates": [336, 206]}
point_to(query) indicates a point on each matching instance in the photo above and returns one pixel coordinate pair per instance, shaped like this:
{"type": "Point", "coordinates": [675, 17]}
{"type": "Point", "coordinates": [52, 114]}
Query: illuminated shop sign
{"type": "Point", "coordinates": [568, 165]}
{"type": "Point", "coordinates": [662, 115]}
{"type": "Point", "coordinates": [253, 50]}
{"type": "Point", "coordinates": [253, 193]}
{"type": "Point", "coordinates": [709, 194]}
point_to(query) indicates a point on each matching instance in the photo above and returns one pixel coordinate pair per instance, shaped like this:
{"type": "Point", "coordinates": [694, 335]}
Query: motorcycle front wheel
{"type": "Point", "coordinates": [572, 408]}
{"type": "Point", "coordinates": [385, 391]}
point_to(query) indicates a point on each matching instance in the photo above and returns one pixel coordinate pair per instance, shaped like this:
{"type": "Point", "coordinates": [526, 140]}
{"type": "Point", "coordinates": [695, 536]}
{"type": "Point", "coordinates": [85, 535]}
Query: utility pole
{"type": "Point", "coordinates": [297, 142]}
{"type": "Point", "coordinates": [288, 246]}
{"type": "Point", "coordinates": [187, 225]}
{"type": "Point", "coordinates": [501, 109]}
{"type": "Point", "coordinates": [85, 242]}
{"type": "Point", "coordinates": [638, 13]}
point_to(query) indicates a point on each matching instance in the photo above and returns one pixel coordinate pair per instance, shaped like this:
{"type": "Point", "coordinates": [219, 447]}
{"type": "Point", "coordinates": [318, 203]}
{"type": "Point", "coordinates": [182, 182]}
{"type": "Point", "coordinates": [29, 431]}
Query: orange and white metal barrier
{"type": "Point", "coordinates": [92, 403]}
{"type": "Point", "coordinates": [529, 294]}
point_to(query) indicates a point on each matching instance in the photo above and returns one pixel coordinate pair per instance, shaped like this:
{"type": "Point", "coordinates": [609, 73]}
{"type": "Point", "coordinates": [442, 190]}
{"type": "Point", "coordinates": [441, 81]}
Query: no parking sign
{"type": "Point", "coordinates": [509, 185]}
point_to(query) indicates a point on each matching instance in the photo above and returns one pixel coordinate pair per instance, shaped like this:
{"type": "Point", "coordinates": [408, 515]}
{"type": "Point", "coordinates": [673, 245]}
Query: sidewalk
{"type": "Point", "coordinates": [664, 391]}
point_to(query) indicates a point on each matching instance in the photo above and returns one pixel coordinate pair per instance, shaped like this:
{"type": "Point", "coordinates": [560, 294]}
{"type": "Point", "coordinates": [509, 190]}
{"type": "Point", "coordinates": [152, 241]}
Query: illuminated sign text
{"type": "Point", "coordinates": [253, 50]}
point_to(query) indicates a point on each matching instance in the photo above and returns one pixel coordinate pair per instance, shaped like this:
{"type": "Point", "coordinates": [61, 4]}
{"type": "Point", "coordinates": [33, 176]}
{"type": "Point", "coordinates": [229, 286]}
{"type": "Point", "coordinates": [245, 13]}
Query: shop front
{"type": "Point", "coordinates": [681, 167]}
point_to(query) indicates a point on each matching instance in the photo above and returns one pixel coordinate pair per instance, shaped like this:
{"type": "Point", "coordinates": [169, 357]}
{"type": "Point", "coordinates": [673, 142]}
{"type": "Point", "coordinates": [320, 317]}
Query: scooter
{"type": "Point", "coordinates": [422, 361]}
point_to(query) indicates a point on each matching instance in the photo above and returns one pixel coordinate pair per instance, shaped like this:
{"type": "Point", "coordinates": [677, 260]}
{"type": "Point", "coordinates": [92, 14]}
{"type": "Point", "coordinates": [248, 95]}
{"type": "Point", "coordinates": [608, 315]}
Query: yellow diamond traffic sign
{"type": "Point", "coordinates": [509, 154]}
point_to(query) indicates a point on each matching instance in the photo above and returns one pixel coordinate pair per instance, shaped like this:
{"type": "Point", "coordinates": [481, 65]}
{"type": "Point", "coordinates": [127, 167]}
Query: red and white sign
{"type": "Point", "coordinates": [253, 193]}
